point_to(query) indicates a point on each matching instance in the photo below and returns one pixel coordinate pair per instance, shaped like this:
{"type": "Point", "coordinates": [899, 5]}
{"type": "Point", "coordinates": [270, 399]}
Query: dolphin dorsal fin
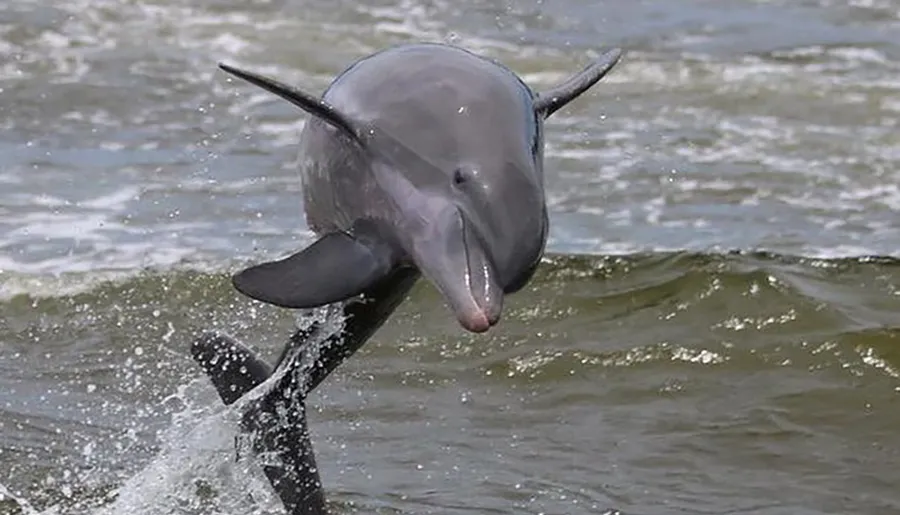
{"type": "Point", "coordinates": [550, 101]}
{"type": "Point", "coordinates": [309, 103]}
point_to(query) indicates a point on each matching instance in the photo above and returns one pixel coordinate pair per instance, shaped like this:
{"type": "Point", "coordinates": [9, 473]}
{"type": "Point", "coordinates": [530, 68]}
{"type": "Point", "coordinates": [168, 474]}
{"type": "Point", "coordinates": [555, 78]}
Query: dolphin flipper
{"type": "Point", "coordinates": [548, 102]}
{"type": "Point", "coordinates": [336, 267]}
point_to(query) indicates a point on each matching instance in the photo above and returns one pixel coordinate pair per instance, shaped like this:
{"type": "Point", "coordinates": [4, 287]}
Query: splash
{"type": "Point", "coordinates": [203, 467]}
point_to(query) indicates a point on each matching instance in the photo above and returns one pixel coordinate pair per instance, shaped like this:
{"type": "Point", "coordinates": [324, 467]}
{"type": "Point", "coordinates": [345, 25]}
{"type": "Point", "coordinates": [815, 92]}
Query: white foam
{"type": "Point", "coordinates": [21, 502]}
{"type": "Point", "coordinates": [604, 169]}
{"type": "Point", "coordinates": [198, 450]}
{"type": "Point", "coordinates": [199, 447]}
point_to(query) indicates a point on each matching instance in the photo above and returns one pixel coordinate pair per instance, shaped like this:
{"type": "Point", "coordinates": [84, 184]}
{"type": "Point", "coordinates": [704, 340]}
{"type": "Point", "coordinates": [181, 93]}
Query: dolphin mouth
{"type": "Point", "coordinates": [476, 321]}
{"type": "Point", "coordinates": [478, 314]}
{"type": "Point", "coordinates": [455, 261]}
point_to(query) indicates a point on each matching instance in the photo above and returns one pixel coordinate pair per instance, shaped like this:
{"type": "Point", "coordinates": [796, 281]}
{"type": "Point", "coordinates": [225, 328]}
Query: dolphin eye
{"type": "Point", "coordinates": [461, 176]}
{"type": "Point", "coordinates": [468, 180]}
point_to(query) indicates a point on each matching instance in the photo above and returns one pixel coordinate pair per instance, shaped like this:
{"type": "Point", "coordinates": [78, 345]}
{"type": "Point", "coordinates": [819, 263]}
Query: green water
{"type": "Point", "coordinates": [655, 383]}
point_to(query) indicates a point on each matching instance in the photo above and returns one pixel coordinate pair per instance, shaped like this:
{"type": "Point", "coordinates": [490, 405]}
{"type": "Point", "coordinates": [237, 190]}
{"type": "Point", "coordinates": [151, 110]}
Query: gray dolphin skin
{"type": "Point", "coordinates": [419, 160]}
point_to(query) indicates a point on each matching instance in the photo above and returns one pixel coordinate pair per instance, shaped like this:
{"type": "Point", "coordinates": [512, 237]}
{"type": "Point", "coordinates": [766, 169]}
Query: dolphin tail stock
{"type": "Point", "coordinates": [281, 439]}
{"type": "Point", "coordinates": [277, 421]}
{"type": "Point", "coordinates": [235, 370]}
{"type": "Point", "coordinates": [278, 418]}
{"type": "Point", "coordinates": [548, 102]}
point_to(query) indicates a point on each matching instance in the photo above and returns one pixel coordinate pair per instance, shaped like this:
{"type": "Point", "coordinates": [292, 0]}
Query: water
{"type": "Point", "coordinates": [725, 343]}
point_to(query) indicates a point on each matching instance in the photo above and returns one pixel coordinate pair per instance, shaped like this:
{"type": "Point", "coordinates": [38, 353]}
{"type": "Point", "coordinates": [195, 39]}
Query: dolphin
{"type": "Point", "coordinates": [424, 156]}
{"type": "Point", "coordinates": [419, 160]}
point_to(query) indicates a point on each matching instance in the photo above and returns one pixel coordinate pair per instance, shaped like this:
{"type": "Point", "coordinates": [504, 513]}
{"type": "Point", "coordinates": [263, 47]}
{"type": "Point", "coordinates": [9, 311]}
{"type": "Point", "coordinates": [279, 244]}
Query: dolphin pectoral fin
{"type": "Point", "coordinates": [233, 369]}
{"type": "Point", "coordinates": [336, 267]}
{"type": "Point", "coordinates": [309, 103]}
{"type": "Point", "coordinates": [550, 101]}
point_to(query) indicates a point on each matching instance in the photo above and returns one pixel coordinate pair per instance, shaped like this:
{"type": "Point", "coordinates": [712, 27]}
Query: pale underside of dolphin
{"type": "Point", "coordinates": [421, 159]}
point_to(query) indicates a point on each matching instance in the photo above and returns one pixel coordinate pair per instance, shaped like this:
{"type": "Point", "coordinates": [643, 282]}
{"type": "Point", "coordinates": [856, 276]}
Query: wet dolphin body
{"type": "Point", "coordinates": [421, 159]}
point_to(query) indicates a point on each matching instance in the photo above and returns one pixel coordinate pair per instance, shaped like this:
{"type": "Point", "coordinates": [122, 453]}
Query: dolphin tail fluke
{"type": "Point", "coordinates": [233, 369]}
{"type": "Point", "coordinates": [338, 266]}
{"type": "Point", "coordinates": [276, 422]}
{"type": "Point", "coordinates": [551, 101]}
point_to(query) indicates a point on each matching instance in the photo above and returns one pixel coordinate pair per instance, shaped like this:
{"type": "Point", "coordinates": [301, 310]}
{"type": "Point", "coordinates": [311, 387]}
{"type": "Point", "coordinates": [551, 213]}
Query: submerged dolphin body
{"type": "Point", "coordinates": [421, 159]}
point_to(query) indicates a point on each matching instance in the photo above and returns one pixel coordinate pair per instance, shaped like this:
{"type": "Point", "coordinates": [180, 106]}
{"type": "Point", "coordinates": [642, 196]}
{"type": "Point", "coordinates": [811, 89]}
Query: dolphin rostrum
{"type": "Point", "coordinates": [421, 159]}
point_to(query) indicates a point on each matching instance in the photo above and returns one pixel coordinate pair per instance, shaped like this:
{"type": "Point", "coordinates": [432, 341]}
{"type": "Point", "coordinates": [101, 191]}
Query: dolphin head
{"type": "Point", "coordinates": [484, 239]}
{"type": "Point", "coordinates": [464, 166]}
{"type": "Point", "coordinates": [459, 164]}
{"type": "Point", "coordinates": [478, 232]}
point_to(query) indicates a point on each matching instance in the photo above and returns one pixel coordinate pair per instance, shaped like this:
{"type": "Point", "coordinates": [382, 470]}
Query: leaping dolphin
{"type": "Point", "coordinates": [421, 159]}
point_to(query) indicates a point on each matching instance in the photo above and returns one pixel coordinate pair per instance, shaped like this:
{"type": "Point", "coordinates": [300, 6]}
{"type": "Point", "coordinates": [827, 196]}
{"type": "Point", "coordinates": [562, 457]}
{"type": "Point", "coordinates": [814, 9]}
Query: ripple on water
{"type": "Point", "coordinates": [135, 176]}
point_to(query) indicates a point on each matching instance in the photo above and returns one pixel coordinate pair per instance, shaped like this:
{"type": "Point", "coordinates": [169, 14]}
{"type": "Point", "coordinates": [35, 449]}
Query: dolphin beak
{"type": "Point", "coordinates": [453, 258]}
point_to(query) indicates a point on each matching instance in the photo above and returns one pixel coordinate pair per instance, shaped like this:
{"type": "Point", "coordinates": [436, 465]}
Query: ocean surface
{"type": "Point", "coordinates": [715, 328]}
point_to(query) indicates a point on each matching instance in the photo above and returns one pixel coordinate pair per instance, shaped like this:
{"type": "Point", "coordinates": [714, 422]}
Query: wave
{"type": "Point", "coordinates": [587, 331]}
{"type": "Point", "coordinates": [861, 292]}
{"type": "Point", "coordinates": [737, 264]}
